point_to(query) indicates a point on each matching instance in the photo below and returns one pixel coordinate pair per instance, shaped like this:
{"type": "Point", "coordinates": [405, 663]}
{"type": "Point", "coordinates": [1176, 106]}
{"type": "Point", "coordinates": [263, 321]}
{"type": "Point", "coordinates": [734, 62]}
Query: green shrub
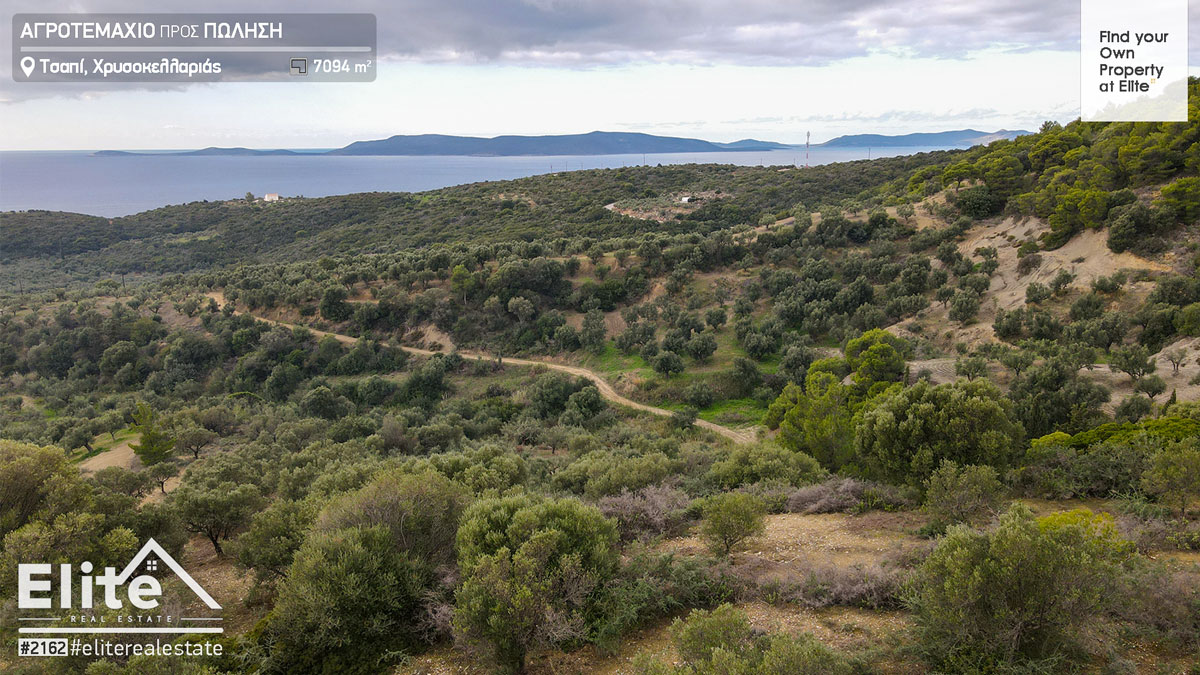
{"type": "Point", "coordinates": [1055, 471]}
{"type": "Point", "coordinates": [1133, 408]}
{"type": "Point", "coordinates": [1174, 476]}
{"type": "Point", "coordinates": [1163, 428]}
{"type": "Point", "coordinates": [1187, 319]}
{"type": "Point", "coordinates": [757, 462]}
{"type": "Point", "coordinates": [1021, 594]}
{"type": "Point", "coordinates": [609, 472]}
{"type": "Point", "coordinates": [274, 536]}
{"type": "Point", "coordinates": [491, 466]}
{"type": "Point", "coordinates": [731, 518]}
{"type": "Point", "coordinates": [699, 395]}
{"type": "Point", "coordinates": [29, 474]}
{"type": "Point", "coordinates": [684, 419]}
{"type": "Point", "coordinates": [355, 591]}
{"type": "Point", "coordinates": [799, 655]}
{"type": "Point", "coordinates": [978, 202]}
{"type": "Point", "coordinates": [704, 633]}
{"type": "Point", "coordinates": [350, 598]}
{"type": "Point", "coordinates": [530, 568]}
{"type": "Point", "coordinates": [1036, 292]}
{"type": "Point", "coordinates": [655, 585]}
{"type": "Point", "coordinates": [322, 402]}
{"type": "Point", "coordinates": [421, 511]}
{"type": "Point", "coordinates": [956, 494]}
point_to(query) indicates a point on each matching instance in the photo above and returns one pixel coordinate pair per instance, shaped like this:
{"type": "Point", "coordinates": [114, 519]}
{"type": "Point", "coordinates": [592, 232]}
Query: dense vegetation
{"type": "Point", "coordinates": [383, 504]}
{"type": "Point", "coordinates": [205, 234]}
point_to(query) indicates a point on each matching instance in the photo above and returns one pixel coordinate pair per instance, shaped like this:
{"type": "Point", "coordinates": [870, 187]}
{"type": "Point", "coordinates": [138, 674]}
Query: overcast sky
{"type": "Point", "coordinates": [768, 69]}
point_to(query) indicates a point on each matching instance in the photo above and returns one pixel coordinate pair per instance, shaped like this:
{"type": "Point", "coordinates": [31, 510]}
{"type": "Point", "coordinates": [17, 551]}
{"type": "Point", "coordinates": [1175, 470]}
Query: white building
{"type": "Point", "coordinates": [271, 197]}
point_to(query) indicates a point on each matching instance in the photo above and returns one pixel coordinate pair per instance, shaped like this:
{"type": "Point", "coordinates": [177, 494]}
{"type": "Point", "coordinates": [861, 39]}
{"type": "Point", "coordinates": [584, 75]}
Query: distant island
{"type": "Point", "coordinates": [962, 138]}
{"type": "Point", "coordinates": [594, 143]}
{"type": "Point", "coordinates": [204, 152]}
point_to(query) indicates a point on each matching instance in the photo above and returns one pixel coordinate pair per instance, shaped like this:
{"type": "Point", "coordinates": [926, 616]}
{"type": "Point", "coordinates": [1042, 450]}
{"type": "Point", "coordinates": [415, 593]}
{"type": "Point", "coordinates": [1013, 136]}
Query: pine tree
{"type": "Point", "coordinates": [1170, 402]}
{"type": "Point", "coordinates": [155, 445]}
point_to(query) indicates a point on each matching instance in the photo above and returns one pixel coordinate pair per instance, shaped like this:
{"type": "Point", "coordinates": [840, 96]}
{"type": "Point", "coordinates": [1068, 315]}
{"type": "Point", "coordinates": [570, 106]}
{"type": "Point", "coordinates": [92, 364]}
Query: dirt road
{"type": "Point", "coordinates": [606, 390]}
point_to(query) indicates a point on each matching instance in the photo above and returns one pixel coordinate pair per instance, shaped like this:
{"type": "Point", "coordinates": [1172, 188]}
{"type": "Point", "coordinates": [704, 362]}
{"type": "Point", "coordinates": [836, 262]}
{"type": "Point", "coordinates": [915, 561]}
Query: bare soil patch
{"type": "Point", "coordinates": [228, 584]}
{"type": "Point", "coordinates": [827, 538]}
{"type": "Point", "coordinates": [121, 455]}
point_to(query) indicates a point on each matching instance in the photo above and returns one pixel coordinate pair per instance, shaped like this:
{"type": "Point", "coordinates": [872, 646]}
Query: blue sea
{"type": "Point", "coordinates": [118, 186]}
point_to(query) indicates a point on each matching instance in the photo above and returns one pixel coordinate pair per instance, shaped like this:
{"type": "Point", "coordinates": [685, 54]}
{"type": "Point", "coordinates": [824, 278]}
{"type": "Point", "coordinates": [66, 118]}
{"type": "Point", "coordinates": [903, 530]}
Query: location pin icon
{"type": "Point", "coordinates": [27, 65]}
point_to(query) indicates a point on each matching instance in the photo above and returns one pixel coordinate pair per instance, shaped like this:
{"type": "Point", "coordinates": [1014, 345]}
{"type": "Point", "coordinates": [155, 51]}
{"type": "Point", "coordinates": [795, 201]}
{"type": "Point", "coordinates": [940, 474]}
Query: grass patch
{"type": "Point", "coordinates": [731, 410]}
{"type": "Point", "coordinates": [612, 362]}
{"type": "Point", "coordinates": [104, 442]}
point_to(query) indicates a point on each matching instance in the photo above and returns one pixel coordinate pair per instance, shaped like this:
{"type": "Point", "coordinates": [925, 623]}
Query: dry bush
{"type": "Point", "coordinates": [1146, 534]}
{"type": "Point", "coordinates": [874, 586]}
{"type": "Point", "coordinates": [652, 511]}
{"type": "Point", "coordinates": [846, 495]}
{"type": "Point", "coordinates": [774, 494]}
{"type": "Point", "coordinates": [1166, 600]}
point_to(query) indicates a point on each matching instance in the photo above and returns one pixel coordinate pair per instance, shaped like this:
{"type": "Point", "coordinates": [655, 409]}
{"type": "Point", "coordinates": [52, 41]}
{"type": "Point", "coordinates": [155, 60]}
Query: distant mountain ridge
{"type": "Point", "coordinates": [960, 138]}
{"type": "Point", "coordinates": [204, 152]}
{"type": "Point", "coordinates": [752, 144]}
{"type": "Point", "coordinates": [593, 143]}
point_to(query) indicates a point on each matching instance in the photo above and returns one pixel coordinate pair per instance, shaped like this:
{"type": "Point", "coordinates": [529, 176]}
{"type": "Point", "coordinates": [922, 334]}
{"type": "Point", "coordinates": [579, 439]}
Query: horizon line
{"type": "Point", "coordinates": [314, 150]}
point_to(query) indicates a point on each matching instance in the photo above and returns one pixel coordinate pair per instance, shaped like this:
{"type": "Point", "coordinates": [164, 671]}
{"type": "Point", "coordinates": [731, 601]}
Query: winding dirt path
{"type": "Point", "coordinates": [121, 455]}
{"type": "Point", "coordinates": [606, 390]}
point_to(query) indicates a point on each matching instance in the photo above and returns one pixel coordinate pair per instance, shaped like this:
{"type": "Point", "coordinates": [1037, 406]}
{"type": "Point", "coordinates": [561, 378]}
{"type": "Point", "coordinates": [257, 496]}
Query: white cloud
{"type": "Point", "coordinates": [716, 69]}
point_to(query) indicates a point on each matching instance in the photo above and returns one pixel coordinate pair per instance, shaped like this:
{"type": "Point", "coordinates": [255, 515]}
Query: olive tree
{"type": "Point", "coordinates": [217, 497]}
{"type": "Point", "coordinates": [905, 434]}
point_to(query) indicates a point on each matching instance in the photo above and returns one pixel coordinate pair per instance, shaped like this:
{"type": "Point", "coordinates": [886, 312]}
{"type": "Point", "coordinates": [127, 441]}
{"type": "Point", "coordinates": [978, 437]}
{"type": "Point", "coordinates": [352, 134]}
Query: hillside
{"type": "Point", "coordinates": [927, 414]}
{"type": "Point", "coordinates": [985, 265]}
{"type": "Point", "coordinates": [206, 234]}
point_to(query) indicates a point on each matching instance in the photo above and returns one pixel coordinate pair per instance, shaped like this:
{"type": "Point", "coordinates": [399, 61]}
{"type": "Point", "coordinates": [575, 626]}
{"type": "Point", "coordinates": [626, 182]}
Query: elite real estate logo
{"type": "Point", "coordinates": [43, 586]}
